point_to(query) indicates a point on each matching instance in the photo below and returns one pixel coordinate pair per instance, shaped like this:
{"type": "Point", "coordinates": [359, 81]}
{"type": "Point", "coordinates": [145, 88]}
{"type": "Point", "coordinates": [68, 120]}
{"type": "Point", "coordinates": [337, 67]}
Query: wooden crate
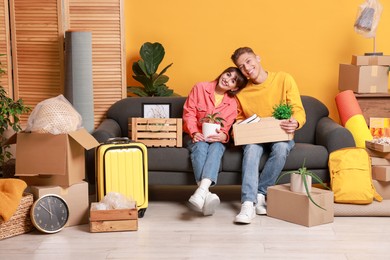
{"type": "Point", "coordinates": [113, 220]}
{"type": "Point", "coordinates": [156, 132]}
{"type": "Point", "coordinates": [20, 222]}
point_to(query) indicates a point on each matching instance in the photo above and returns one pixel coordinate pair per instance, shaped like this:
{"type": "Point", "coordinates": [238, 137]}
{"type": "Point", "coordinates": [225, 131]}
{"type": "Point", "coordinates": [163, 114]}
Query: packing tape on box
{"type": "Point", "coordinates": [374, 71]}
{"type": "Point", "coordinates": [358, 127]}
{"type": "Point", "coordinates": [347, 105]}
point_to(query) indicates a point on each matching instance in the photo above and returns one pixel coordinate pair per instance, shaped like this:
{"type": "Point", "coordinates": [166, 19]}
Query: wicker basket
{"type": "Point", "coordinates": [20, 222]}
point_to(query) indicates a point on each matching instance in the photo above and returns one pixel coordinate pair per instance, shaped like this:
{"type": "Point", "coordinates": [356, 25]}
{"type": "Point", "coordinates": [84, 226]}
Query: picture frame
{"type": "Point", "coordinates": [156, 110]}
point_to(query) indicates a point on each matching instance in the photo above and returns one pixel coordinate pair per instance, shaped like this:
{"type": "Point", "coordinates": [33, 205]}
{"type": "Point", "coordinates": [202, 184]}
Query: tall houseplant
{"type": "Point", "coordinates": [145, 72]}
{"type": "Point", "coordinates": [10, 111]}
{"type": "Point", "coordinates": [304, 173]}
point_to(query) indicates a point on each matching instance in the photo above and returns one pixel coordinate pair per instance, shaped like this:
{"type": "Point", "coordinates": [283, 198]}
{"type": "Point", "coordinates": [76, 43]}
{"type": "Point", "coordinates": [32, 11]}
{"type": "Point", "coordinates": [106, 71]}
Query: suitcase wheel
{"type": "Point", "coordinates": [141, 213]}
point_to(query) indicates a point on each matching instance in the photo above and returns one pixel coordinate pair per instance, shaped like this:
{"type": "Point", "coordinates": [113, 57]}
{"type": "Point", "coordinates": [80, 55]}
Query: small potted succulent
{"type": "Point", "coordinates": [210, 124]}
{"type": "Point", "coordinates": [301, 180]}
{"type": "Point", "coordinates": [282, 111]}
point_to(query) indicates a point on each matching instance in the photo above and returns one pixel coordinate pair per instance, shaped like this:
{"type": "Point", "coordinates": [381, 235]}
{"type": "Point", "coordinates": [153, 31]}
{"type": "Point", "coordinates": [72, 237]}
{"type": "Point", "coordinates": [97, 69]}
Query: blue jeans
{"type": "Point", "coordinates": [254, 182]}
{"type": "Point", "coordinates": [206, 159]}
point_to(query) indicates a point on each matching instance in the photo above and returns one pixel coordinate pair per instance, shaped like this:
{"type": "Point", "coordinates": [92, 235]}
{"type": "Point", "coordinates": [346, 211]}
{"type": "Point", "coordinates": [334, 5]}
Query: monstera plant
{"type": "Point", "coordinates": [145, 72]}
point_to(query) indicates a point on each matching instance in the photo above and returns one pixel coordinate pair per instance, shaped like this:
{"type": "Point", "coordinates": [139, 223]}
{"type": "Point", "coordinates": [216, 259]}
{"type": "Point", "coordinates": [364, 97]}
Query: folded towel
{"type": "Point", "coordinates": [11, 192]}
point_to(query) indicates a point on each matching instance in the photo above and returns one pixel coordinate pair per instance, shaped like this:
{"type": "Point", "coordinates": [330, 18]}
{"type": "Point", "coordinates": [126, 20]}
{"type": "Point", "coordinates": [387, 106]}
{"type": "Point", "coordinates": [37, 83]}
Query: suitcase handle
{"type": "Point", "coordinates": [118, 140]}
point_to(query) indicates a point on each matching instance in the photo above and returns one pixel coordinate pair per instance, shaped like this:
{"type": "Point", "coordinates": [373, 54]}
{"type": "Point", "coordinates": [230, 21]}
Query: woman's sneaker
{"type": "Point", "coordinates": [210, 204]}
{"type": "Point", "coordinates": [197, 199]}
{"type": "Point", "coordinates": [246, 214]}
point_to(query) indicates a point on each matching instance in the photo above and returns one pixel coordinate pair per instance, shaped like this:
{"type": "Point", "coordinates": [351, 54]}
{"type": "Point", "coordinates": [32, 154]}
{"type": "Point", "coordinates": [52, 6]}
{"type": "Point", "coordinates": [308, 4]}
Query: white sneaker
{"type": "Point", "coordinates": [246, 214]}
{"type": "Point", "coordinates": [197, 199]}
{"type": "Point", "coordinates": [261, 207]}
{"type": "Point", "coordinates": [210, 204]}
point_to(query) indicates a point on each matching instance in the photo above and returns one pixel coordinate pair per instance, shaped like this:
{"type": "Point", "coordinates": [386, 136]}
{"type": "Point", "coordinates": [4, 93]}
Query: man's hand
{"type": "Point", "coordinates": [289, 125]}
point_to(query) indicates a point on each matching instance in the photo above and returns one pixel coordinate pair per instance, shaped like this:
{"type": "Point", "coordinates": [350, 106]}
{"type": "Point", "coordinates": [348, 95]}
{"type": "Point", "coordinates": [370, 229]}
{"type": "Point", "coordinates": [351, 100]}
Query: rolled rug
{"type": "Point", "coordinates": [352, 118]}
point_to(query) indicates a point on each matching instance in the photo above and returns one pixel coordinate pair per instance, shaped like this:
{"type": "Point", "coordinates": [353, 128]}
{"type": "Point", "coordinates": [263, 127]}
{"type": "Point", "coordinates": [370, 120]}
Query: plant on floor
{"type": "Point", "coordinates": [304, 172]}
{"type": "Point", "coordinates": [282, 111]}
{"type": "Point", "coordinates": [145, 72]}
{"type": "Point", "coordinates": [10, 111]}
{"type": "Point", "coordinates": [213, 119]}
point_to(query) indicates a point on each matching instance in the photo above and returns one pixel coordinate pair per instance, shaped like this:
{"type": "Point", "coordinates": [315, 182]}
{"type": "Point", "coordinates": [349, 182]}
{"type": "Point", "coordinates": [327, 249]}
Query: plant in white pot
{"type": "Point", "coordinates": [301, 180]}
{"type": "Point", "coordinates": [211, 123]}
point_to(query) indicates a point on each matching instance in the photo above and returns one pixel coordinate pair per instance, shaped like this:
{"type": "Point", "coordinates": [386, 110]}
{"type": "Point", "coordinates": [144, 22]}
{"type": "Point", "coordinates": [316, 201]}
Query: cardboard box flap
{"type": "Point", "coordinates": [85, 139]}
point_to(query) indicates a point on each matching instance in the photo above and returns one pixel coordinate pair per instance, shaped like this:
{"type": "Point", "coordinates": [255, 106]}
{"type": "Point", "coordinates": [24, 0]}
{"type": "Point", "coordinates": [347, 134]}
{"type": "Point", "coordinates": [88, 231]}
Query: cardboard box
{"type": "Point", "coordinates": [380, 127]}
{"type": "Point", "coordinates": [381, 173]}
{"type": "Point", "coordinates": [265, 131]}
{"type": "Point", "coordinates": [363, 79]}
{"type": "Point", "coordinates": [76, 196]}
{"type": "Point", "coordinates": [113, 220]}
{"type": "Point", "coordinates": [374, 153]}
{"type": "Point", "coordinates": [297, 208]}
{"type": "Point", "coordinates": [383, 188]}
{"type": "Point", "coordinates": [370, 60]}
{"type": "Point", "coordinates": [378, 147]}
{"type": "Point", "coordinates": [377, 161]}
{"type": "Point", "coordinates": [46, 159]}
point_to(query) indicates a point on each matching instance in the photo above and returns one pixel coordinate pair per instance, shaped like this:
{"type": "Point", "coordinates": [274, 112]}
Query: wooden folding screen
{"type": "Point", "coordinates": [37, 32]}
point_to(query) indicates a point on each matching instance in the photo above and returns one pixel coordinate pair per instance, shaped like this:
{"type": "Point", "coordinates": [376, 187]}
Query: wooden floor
{"type": "Point", "coordinates": [169, 230]}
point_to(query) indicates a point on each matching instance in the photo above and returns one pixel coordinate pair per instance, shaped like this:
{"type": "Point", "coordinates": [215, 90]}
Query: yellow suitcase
{"type": "Point", "coordinates": [122, 166]}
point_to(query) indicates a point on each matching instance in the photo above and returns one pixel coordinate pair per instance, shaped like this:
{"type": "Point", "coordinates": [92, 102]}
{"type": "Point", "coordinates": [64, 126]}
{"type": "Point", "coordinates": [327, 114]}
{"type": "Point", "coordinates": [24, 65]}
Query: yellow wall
{"type": "Point", "coordinates": [307, 38]}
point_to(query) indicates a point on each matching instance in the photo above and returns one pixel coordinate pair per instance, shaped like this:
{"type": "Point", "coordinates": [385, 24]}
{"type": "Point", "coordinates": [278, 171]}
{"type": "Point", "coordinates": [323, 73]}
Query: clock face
{"type": "Point", "coordinates": [50, 213]}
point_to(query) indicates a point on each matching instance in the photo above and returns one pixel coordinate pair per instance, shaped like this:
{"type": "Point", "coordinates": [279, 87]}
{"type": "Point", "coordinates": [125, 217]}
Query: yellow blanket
{"type": "Point", "coordinates": [11, 192]}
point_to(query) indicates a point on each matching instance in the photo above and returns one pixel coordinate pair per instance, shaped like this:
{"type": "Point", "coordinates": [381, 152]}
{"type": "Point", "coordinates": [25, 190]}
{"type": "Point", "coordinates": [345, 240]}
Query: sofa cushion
{"type": "Point", "coordinates": [170, 159]}
{"type": "Point", "coordinates": [316, 158]}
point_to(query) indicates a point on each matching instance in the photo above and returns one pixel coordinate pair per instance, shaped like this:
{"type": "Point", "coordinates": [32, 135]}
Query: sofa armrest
{"type": "Point", "coordinates": [332, 135]}
{"type": "Point", "coordinates": [107, 129]}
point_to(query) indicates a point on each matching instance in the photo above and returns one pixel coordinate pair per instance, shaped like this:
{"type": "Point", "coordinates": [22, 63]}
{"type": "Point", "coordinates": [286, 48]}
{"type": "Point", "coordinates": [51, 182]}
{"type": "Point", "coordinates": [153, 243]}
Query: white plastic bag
{"type": "Point", "coordinates": [368, 18]}
{"type": "Point", "coordinates": [55, 116]}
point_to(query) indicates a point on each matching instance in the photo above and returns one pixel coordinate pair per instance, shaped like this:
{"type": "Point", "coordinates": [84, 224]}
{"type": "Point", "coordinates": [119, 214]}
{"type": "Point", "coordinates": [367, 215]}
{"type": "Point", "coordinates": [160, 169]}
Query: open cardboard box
{"type": "Point", "coordinates": [47, 159]}
{"type": "Point", "coordinates": [266, 130]}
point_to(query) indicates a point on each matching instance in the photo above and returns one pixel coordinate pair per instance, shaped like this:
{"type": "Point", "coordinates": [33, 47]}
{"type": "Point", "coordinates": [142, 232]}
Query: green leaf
{"type": "Point", "coordinates": [152, 54]}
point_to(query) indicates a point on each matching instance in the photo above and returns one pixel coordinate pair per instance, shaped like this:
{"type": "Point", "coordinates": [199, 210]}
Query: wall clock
{"type": "Point", "coordinates": [49, 213]}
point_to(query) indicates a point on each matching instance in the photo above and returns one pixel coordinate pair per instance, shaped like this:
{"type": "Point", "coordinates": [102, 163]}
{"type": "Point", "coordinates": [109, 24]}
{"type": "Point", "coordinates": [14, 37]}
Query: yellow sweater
{"type": "Point", "coordinates": [260, 99]}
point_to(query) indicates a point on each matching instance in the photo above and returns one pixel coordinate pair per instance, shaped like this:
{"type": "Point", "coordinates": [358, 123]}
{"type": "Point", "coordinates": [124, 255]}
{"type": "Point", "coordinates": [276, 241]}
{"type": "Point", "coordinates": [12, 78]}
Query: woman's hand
{"type": "Point", "coordinates": [289, 125]}
{"type": "Point", "coordinates": [218, 137]}
{"type": "Point", "coordinates": [197, 137]}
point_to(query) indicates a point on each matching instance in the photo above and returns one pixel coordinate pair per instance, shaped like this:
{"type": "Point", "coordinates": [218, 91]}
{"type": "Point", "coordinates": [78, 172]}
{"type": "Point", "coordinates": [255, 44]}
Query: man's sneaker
{"type": "Point", "coordinates": [261, 207]}
{"type": "Point", "coordinates": [197, 199]}
{"type": "Point", "coordinates": [246, 214]}
{"type": "Point", "coordinates": [210, 204]}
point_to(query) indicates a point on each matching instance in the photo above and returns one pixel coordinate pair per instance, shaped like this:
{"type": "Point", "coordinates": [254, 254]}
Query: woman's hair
{"type": "Point", "coordinates": [237, 53]}
{"type": "Point", "coordinates": [241, 80]}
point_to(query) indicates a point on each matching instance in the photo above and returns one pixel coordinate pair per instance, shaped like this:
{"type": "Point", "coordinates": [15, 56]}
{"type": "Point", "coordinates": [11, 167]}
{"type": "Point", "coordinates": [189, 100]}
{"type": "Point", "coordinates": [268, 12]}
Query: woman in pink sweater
{"type": "Point", "coordinates": [209, 98]}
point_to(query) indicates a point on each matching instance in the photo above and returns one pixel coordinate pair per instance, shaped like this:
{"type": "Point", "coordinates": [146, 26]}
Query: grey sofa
{"type": "Point", "coordinates": [172, 166]}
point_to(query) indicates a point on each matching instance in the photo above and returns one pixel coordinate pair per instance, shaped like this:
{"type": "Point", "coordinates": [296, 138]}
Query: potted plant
{"type": "Point", "coordinates": [10, 110]}
{"type": "Point", "coordinates": [282, 111]}
{"type": "Point", "coordinates": [145, 72]}
{"type": "Point", "coordinates": [210, 124]}
{"type": "Point", "coordinates": [301, 179]}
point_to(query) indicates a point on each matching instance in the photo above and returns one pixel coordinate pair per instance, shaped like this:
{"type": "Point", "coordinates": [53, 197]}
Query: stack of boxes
{"type": "Point", "coordinates": [55, 164]}
{"type": "Point", "coordinates": [380, 161]}
{"type": "Point", "coordinates": [365, 74]}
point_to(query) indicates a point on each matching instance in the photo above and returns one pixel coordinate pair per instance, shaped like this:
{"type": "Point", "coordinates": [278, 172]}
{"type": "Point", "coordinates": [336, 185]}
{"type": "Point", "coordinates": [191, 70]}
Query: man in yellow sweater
{"type": "Point", "coordinates": [264, 90]}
